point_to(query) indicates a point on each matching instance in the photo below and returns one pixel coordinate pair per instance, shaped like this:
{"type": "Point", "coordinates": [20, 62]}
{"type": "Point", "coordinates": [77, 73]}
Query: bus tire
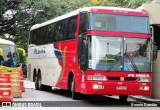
{"type": "Point", "coordinates": [34, 75]}
{"type": "Point", "coordinates": [38, 84]}
{"type": "Point", "coordinates": [123, 98]}
{"type": "Point", "coordinates": [75, 95]}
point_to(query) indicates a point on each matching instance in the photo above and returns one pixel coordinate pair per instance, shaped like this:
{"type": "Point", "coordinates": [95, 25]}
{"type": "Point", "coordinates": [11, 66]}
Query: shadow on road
{"type": "Point", "coordinates": [91, 100]}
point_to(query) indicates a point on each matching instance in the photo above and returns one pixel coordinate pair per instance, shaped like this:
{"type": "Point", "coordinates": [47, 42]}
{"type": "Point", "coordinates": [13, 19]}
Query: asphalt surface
{"type": "Point", "coordinates": [61, 100]}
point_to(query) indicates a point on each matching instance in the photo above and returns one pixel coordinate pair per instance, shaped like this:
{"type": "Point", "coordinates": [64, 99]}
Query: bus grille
{"type": "Point", "coordinates": [125, 78]}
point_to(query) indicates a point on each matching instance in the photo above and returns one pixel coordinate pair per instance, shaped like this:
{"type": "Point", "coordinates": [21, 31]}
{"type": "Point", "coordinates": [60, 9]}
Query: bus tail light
{"type": "Point", "coordinates": [144, 80]}
{"type": "Point", "coordinates": [96, 78]}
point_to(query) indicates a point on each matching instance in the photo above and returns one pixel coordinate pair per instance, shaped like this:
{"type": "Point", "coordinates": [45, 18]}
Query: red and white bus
{"type": "Point", "coordinates": [93, 50]}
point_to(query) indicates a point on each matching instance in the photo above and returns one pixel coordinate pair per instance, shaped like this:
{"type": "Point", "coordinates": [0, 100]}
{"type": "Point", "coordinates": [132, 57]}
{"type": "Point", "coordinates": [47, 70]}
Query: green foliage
{"type": "Point", "coordinates": [22, 58]}
{"type": "Point", "coordinates": [29, 12]}
{"type": "Point", "coordinates": [118, 3]}
{"type": "Point", "coordinates": [134, 3]}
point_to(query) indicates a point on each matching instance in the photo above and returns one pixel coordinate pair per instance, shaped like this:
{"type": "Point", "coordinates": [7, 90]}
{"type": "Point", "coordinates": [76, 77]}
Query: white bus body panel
{"type": "Point", "coordinates": [46, 62]}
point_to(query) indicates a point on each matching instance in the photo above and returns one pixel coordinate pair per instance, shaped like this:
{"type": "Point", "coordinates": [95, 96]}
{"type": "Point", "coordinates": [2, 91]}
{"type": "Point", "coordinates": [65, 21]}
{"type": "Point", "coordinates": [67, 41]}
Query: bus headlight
{"type": "Point", "coordinates": [96, 86]}
{"type": "Point", "coordinates": [96, 78]}
{"type": "Point", "coordinates": [145, 88]}
{"type": "Point", "coordinates": [144, 80]}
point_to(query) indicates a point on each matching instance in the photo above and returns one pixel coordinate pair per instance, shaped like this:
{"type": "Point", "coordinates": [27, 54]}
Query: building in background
{"type": "Point", "coordinates": [154, 16]}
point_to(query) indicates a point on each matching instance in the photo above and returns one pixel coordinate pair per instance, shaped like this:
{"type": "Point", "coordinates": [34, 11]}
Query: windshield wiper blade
{"type": "Point", "coordinates": [132, 62]}
{"type": "Point", "coordinates": [110, 68]}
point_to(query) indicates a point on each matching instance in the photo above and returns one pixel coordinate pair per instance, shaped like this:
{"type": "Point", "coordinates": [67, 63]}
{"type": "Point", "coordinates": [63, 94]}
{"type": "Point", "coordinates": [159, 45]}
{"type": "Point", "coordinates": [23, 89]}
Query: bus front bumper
{"type": "Point", "coordinates": [116, 88]}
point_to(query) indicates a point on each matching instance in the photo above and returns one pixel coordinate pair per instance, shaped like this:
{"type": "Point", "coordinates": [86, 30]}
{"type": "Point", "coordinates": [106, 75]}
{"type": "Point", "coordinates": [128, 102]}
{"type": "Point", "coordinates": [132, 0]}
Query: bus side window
{"type": "Point", "coordinates": [40, 36]}
{"type": "Point", "coordinates": [64, 29]}
{"type": "Point", "coordinates": [45, 35]}
{"type": "Point", "coordinates": [60, 35]}
{"type": "Point", "coordinates": [83, 23]}
{"type": "Point", "coordinates": [82, 42]}
{"type": "Point", "coordinates": [83, 53]}
{"type": "Point", "coordinates": [50, 33]}
{"type": "Point", "coordinates": [56, 31]}
{"type": "Point", "coordinates": [72, 27]}
{"type": "Point", "coordinates": [35, 37]}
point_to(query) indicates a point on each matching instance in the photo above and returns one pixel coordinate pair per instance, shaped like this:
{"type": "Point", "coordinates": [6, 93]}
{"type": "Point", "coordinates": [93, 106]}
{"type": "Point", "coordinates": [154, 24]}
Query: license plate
{"type": "Point", "coordinates": [121, 88]}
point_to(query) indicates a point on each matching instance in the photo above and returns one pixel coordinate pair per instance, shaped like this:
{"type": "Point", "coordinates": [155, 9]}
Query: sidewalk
{"type": "Point", "coordinates": [146, 99]}
{"type": "Point", "coordinates": [28, 84]}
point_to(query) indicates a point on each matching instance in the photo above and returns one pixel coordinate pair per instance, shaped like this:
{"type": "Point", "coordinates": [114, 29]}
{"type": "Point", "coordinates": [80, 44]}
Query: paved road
{"type": "Point", "coordinates": [60, 95]}
{"type": "Point", "coordinates": [62, 101]}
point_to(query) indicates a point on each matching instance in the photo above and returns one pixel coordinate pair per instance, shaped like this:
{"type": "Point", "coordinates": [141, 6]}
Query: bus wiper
{"type": "Point", "coordinates": [132, 62]}
{"type": "Point", "coordinates": [110, 68]}
{"type": "Point", "coordinates": [117, 57]}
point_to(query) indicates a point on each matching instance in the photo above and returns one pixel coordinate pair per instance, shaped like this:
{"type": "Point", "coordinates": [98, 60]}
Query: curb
{"type": "Point", "coordinates": [147, 100]}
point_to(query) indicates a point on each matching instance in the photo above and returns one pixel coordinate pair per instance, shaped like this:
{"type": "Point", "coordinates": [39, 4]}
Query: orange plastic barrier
{"type": "Point", "coordinates": [5, 88]}
{"type": "Point", "coordinates": [21, 81]}
{"type": "Point", "coordinates": [15, 85]}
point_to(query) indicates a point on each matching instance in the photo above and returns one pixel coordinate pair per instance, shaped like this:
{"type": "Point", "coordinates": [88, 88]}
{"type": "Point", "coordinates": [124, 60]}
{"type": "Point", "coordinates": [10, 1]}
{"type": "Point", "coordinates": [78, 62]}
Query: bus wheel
{"type": "Point", "coordinates": [123, 98]}
{"type": "Point", "coordinates": [75, 95]}
{"type": "Point", "coordinates": [38, 82]}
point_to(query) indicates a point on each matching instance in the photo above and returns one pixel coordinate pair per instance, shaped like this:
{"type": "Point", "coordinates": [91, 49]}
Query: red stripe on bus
{"type": "Point", "coordinates": [118, 34]}
{"type": "Point", "coordinates": [122, 12]}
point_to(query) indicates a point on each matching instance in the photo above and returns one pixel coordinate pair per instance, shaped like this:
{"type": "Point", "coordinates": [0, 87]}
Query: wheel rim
{"type": "Point", "coordinates": [39, 82]}
{"type": "Point", "coordinates": [36, 82]}
{"type": "Point", "coordinates": [72, 84]}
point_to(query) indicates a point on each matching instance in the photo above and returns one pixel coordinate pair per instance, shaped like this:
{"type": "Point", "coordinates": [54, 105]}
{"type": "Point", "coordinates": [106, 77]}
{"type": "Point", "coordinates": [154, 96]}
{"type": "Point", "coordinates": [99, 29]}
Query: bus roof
{"type": "Point", "coordinates": [101, 9]}
{"type": "Point", "coordinates": [3, 41]}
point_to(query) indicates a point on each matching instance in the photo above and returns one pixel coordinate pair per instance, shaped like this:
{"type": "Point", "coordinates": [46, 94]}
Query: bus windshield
{"type": "Point", "coordinates": [10, 56]}
{"type": "Point", "coordinates": [119, 54]}
{"type": "Point", "coordinates": [119, 23]}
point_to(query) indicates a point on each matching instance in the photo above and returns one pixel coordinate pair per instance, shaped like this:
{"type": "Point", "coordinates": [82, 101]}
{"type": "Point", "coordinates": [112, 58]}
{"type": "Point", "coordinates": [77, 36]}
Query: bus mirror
{"type": "Point", "coordinates": [22, 51]}
{"type": "Point", "coordinates": [154, 52]}
{"type": "Point", "coordinates": [1, 52]}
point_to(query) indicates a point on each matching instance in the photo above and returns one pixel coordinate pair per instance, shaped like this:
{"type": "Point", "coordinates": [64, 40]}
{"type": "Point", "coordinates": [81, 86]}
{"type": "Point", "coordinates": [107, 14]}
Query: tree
{"type": "Point", "coordinates": [17, 16]}
{"type": "Point", "coordinates": [118, 3]}
{"type": "Point", "coordinates": [135, 3]}
{"type": "Point", "coordinates": [7, 16]}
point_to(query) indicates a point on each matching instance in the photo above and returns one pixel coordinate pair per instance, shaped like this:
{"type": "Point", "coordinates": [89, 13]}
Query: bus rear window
{"type": "Point", "coordinates": [119, 23]}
